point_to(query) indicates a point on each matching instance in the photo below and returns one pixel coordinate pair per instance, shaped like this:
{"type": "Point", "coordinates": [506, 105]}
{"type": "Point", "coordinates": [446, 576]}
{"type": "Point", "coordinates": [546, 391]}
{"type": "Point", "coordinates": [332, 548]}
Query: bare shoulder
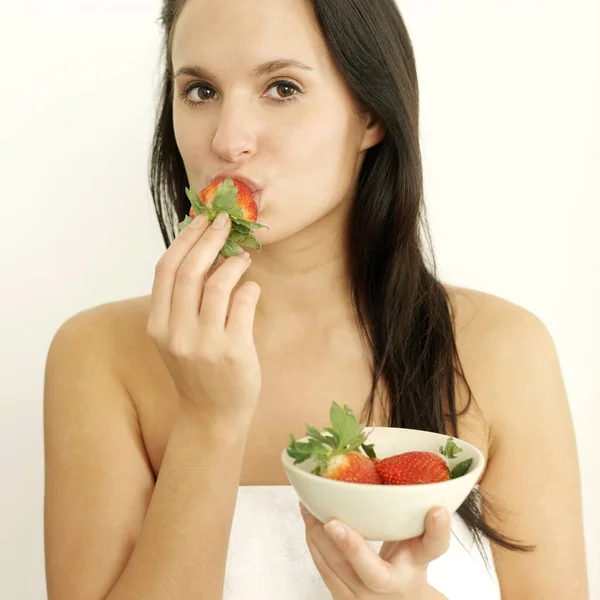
{"type": "Point", "coordinates": [512, 366]}
{"type": "Point", "coordinates": [115, 334]}
{"type": "Point", "coordinates": [116, 328]}
{"type": "Point", "coordinates": [478, 313]}
{"type": "Point", "coordinates": [499, 344]}
{"type": "Point", "coordinates": [95, 459]}
{"type": "Point", "coordinates": [109, 318]}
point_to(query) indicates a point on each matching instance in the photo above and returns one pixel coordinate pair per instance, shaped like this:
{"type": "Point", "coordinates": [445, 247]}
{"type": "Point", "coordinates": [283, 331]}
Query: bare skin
{"type": "Point", "coordinates": [337, 366]}
{"type": "Point", "coordinates": [510, 363]}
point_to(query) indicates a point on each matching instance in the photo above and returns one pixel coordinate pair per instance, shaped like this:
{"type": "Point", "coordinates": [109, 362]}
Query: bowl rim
{"type": "Point", "coordinates": [288, 463]}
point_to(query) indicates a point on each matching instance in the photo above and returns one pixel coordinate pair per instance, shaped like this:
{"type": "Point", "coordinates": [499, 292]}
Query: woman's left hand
{"type": "Point", "coordinates": [351, 569]}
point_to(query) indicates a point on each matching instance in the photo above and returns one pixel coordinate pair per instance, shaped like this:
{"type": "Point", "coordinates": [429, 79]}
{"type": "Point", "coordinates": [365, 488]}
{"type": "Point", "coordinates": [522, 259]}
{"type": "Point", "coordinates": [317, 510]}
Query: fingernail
{"type": "Point", "coordinates": [220, 221]}
{"type": "Point", "coordinates": [440, 516]}
{"type": "Point", "coordinates": [335, 531]}
{"type": "Point", "coordinates": [198, 221]}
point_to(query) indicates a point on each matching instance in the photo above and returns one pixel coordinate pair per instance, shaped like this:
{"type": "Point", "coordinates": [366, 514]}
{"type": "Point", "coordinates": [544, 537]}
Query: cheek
{"type": "Point", "coordinates": [189, 137]}
{"type": "Point", "coordinates": [325, 157]}
{"type": "Point", "coordinates": [314, 149]}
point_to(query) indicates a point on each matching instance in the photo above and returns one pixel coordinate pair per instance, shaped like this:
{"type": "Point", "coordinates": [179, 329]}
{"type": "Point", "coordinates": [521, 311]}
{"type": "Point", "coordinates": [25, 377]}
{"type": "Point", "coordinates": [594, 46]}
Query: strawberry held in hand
{"type": "Point", "coordinates": [233, 197]}
{"type": "Point", "coordinates": [337, 454]}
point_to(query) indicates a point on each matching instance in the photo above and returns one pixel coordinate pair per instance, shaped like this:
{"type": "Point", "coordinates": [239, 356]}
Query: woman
{"type": "Point", "coordinates": [158, 408]}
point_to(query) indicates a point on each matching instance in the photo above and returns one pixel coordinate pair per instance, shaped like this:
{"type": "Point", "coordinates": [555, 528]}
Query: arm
{"type": "Point", "coordinates": [532, 468]}
{"type": "Point", "coordinates": [109, 532]}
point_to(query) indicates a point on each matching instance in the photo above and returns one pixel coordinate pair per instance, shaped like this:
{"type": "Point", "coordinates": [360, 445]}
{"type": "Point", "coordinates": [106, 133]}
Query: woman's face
{"type": "Point", "coordinates": [293, 130]}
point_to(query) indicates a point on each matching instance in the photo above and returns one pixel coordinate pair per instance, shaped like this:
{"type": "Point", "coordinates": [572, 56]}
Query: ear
{"type": "Point", "coordinates": [374, 131]}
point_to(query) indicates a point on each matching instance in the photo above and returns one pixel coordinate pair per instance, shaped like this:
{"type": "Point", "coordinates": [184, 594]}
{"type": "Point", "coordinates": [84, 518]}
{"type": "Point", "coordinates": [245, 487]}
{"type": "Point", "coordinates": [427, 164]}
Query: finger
{"type": "Point", "coordinates": [220, 260]}
{"type": "Point", "coordinates": [374, 573]}
{"type": "Point", "coordinates": [191, 277]}
{"type": "Point", "coordinates": [217, 293]}
{"type": "Point", "coordinates": [166, 271]}
{"type": "Point", "coordinates": [322, 550]}
{"type": "Point", "coordinates": [387, 549]}
{"type": "Point", "coordinates": [436, 539]}
{"type": "Point", "coordinates": [336, 585]}
{"type": "Point", "coordinates": [242, 312]}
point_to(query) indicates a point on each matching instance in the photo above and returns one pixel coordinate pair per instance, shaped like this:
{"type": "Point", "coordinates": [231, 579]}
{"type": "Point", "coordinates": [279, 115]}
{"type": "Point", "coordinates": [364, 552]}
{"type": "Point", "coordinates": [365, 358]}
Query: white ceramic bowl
{"type": "Point", "coordinates": [385, 512]}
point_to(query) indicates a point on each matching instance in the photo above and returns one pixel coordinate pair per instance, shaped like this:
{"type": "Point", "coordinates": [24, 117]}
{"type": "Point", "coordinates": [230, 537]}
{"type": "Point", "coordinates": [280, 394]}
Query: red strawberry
{"type": "Point", "coordinates": [233, 197]}
{"type": "Point", "coordinates": [351, 466]}
{"type": "Point", "coordinates": [412, 468]}
{"type": "Point", "coordinates": [337, 455]}
{"type": "Point", "coordinates": [244, 198]}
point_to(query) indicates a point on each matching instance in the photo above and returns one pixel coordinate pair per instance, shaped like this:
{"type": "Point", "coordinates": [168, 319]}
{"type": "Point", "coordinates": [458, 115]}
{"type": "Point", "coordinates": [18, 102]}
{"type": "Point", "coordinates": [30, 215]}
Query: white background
{"type": "Point", "coordinates": [510, 130]}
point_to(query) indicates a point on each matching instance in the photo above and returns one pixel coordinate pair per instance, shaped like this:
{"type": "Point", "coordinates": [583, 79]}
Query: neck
{"type": "Point", "coordinates": [304, 287]}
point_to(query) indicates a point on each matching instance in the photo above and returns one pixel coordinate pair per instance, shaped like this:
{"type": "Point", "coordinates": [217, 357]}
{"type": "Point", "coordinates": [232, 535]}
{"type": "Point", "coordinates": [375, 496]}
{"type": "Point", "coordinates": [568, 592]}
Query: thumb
{"type": "Point", "coordinates": [436, 539]}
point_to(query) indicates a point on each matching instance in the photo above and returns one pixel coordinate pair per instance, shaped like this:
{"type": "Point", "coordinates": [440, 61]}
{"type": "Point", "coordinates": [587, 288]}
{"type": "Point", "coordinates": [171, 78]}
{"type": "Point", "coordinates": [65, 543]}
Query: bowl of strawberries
{"type": "Point", "coordinates": [385, 488]}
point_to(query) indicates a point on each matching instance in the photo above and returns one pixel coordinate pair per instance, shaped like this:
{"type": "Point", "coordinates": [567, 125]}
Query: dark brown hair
{"type": "Point", "coordinates": [402, 308]}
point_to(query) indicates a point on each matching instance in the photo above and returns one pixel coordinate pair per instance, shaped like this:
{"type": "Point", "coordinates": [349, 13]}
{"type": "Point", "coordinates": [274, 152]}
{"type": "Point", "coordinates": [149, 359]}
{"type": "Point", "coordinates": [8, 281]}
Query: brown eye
{"type": "Point", "coordinates": [286, 91]}
{"type": "Point", "coordinates": [203, 92]}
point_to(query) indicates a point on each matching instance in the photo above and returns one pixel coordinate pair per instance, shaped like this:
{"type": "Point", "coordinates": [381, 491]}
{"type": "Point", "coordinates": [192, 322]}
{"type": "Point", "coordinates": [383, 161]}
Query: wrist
{"type": "Point", "coordinates": [228, 426]}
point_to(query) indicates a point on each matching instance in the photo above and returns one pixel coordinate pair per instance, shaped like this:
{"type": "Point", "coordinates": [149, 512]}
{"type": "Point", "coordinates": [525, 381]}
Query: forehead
{"type": "Point", "coordinates": [243, 33]}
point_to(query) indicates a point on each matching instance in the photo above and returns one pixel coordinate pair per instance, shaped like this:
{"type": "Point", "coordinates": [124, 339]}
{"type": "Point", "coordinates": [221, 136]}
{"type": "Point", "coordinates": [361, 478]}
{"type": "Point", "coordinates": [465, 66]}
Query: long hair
{"type": "Point", "coordinates": [403, 310]}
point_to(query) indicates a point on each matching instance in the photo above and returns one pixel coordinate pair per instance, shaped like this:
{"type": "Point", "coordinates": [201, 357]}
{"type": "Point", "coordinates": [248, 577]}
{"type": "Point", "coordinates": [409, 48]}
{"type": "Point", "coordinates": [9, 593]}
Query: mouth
{"type": "Point", "coordinates": [258, 199]}
{"type": "Point", "coordinates": [249, 183]}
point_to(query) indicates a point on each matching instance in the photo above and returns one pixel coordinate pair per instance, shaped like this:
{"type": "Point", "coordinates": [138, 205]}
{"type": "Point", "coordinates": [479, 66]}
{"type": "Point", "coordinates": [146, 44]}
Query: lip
{"type": "Point", "coordinates": [258, 199]}
{"type": "Point", "coordinates": [249, 183]}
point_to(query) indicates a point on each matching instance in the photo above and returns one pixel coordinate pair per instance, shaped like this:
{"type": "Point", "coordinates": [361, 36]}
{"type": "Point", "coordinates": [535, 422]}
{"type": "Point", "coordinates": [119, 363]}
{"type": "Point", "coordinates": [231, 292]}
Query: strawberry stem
{"type": "Point", "coordinates": [346, 436]}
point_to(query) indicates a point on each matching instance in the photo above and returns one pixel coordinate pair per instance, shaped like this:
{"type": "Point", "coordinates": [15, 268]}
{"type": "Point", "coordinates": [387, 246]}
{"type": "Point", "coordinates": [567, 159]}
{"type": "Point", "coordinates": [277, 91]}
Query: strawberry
{"type": "Point", "coordinates": [244, 198]}
{"type": "Point", "coordinates": [411, 468]}
{"type": "Point", "coordinates": [337, 455]}
{"type": "Point", "coordinates": [417, 467]}
{"type": "Point", "coordinates": [233, 197]}
{"type": "Point", "coordinates": [351, 466]}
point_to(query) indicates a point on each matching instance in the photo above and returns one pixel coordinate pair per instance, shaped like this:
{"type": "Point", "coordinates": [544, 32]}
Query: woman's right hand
{"type": "Point", "coordinates": [211, 357]}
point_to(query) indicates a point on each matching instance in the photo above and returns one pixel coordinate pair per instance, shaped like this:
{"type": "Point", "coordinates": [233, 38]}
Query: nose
{"type": "Point", "coordinates": [235, 137]}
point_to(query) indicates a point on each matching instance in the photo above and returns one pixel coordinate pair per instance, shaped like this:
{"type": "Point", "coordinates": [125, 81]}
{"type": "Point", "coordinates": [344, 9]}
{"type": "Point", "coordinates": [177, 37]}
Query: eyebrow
{"type": "Point", "coordinates": [264, 69]}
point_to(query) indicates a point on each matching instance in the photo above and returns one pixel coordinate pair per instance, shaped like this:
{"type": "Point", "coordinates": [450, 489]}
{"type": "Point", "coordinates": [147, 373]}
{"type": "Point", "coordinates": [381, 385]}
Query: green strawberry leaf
{"type": "Point", "coordinates": [450, 450]}
{"type": "Point", "coordinates": [369, 450]}
{"type": "Point", "coordinates": [240, 227]}
{"type": "Point", "coordinates": [301, 451]}
{"type": "Point", "coordinates": [194, 199]}
{"type": "Point", "coordinates": [346, 436]}
{"type": "Point", "coordinates": [231, 249]}
{"type": "Point", "coordinates": [461, 468]}
{"type": "Point", "coordinates": [251, 242]}
{"type": "Point", "coordinates": [235, 212]}
{"type": "Point", "coordinates": [237, 236]}
{"type": "Point", "coordinates": [335, 435]}
{"type": "Point", "coordinates": [317, 435]}
{"type": "Point", "coordinates": [249, 224]}
{"type": "Point", "coordinates": [225, 196]}
{"type": "Point", "coordinates": [185, 223]}
{"type": "Point", "coordinates": [343, 422]}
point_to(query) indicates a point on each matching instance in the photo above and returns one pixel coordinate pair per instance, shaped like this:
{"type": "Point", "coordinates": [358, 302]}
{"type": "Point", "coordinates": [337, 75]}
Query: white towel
{"type": "Point", "coordinates": [268, 558]}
